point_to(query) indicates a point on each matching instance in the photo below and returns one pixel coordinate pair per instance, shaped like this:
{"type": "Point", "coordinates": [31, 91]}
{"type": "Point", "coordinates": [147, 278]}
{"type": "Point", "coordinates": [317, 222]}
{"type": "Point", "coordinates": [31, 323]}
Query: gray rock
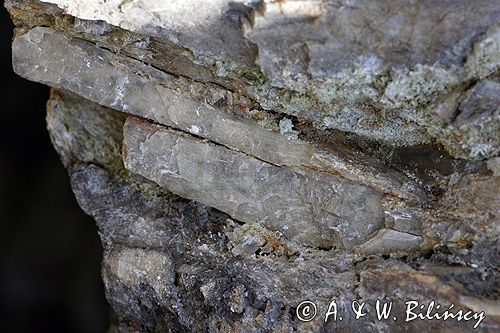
{"type": "Point", "coordinates": [240, 158]}
{"type": "Point", "coordinates": [494, 165]}
{"type": "Point", "coordinates": [388, 241]}
{"type": "Point", "coordinates": [481, 102]}
{"type": "Point", "coordinates": [224, 269]}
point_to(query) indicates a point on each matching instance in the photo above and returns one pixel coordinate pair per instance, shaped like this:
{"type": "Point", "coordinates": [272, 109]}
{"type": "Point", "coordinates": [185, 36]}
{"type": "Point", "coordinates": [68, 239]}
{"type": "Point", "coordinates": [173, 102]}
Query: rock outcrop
{"type": "Point", "coordinates": [243, 159]}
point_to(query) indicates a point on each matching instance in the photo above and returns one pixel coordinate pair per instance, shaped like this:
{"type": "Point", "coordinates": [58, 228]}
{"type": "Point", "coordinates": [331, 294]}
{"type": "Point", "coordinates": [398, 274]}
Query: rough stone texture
{"type": "Point", "coordinates": [240, 157]}
{"type": "Point", "coordinates": [163, 101]}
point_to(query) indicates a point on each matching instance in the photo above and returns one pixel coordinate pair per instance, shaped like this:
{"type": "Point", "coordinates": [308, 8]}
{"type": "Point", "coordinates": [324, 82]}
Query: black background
{"type": "Point", "coordinates": [50, 252]}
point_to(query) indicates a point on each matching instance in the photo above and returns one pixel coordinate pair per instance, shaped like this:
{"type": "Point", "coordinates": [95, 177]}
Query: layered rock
{"type": "Point", "coordinates": [242, 157]}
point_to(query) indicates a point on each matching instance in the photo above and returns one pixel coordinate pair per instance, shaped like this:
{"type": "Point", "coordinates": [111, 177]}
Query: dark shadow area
{"type": "Point", "coordinates": [50, 253]}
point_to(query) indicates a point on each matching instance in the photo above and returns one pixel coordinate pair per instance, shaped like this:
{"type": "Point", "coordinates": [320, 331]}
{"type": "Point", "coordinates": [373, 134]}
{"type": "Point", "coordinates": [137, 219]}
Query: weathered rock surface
{"type": "Point", "coordinates": [167, 101]}
{"type": "Point", "coordinates": [383, 87]}
{"type": "Point", "coordinates": [241, 157]}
